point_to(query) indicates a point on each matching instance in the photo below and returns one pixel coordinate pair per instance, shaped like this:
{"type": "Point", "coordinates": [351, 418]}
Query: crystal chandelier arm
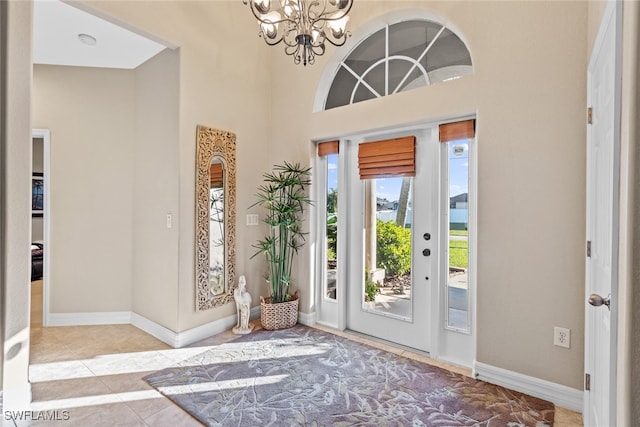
{"type": "Point", "coordinates": [265, 22]}
{"type": "Point", "coordinates": [334, 14]}
{"type": "Point", "coordinates": [332, 25]}
{"type": "Point", "coordinates": [337, 41]}
{"type": "Point", "coordinates": [302, 25]}
{"type": "Point", "coordinates": [259, 15]}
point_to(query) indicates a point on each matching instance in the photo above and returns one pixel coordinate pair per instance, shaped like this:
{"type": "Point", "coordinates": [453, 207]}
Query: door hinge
{"type": "Point", "coordinates": [587, 382]}
{"type": "Point", "coordinates": [589, 248]}
{"type": "Point", "coordinates": [589, 115]}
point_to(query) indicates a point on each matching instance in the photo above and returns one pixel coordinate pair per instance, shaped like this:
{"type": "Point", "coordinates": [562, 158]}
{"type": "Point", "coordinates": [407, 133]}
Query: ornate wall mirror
{"type": "Point", "coordinates": [215, 217]}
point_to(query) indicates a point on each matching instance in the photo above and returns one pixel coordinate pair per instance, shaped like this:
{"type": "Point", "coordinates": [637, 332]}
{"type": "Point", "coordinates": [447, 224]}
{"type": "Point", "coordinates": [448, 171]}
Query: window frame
{"type": "Point", "coordinates": [336, 64]}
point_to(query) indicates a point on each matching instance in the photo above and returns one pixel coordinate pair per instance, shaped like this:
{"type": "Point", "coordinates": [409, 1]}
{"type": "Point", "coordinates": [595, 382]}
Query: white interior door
{"type": "Point", "coordinates": [402, 308]}
{"type": "Point", "coordinates": [602, 222]}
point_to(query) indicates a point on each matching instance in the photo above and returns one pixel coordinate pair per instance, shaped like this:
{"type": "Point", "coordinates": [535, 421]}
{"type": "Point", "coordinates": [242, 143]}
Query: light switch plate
{"type": "Point", "coordinates": [252, 219]}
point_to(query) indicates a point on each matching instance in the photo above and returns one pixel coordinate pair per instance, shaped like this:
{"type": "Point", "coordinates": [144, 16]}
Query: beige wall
{"type": "Point", "coordinates": [595, 9]}
{"type": "Point", "coordinates": [529, 92]}
{"type": "Point", "coordinates": [16, 184]}
{"type": "Point", "coordinates": [224, 78]}
{"type": "Point", "coordinates": [522, 81]}
{"type": "Point", "coordinates": [156, 189]}
{"type": "Point", "coordinates": [91, 115]}
{"type": "Point", "coordinates": [224, 81]}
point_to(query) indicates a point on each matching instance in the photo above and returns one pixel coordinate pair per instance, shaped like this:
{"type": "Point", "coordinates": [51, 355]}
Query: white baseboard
{"type": "Point", "coordinates": [201, 332]}
{"type": "Point", "coordinates": [166, 335]}
{"type": "Point", "coordinates": [558, 394]}
{"type": "Point", "coordinates": [154, 329]}
{"type": "Point", "coordinates": [307, 319]}
{"type": "Point", "coordinates": [83, 319]}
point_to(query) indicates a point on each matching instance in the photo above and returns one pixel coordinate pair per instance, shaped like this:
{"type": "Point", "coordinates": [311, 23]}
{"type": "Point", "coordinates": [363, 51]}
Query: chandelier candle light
{"type": "Point", "coordinates": [302, 25]}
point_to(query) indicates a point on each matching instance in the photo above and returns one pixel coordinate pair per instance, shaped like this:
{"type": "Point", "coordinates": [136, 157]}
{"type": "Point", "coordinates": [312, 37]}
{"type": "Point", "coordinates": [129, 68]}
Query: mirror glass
{"type": "Point", "coordinates": [215, 217]}
{"type": "Point", "coordinates": [216, 227]}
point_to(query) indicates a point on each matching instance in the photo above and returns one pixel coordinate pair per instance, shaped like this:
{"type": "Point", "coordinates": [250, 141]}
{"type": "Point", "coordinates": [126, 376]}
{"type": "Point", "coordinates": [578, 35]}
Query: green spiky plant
{"type": "Point", "coordinates": [283, 195]}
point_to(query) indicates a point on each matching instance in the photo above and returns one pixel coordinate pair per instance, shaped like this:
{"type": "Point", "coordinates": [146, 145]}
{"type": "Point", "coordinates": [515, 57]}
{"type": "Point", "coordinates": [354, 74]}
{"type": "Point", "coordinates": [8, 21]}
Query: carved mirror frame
{"type": "Point", "coordinates": [215, 144]}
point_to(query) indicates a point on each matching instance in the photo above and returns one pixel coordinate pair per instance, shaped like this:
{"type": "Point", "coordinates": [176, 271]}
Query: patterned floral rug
{"type": "Point", "coordinates": [304, 376]}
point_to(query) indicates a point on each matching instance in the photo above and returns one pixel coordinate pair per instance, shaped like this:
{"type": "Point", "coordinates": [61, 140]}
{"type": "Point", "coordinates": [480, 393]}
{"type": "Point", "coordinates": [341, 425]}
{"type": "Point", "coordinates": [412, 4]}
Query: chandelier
{"type": "Point", "coordinates": [302, 25]}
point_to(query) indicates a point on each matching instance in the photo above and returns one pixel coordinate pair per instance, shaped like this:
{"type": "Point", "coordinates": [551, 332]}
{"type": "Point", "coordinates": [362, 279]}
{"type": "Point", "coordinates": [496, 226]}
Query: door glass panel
{"type": "Point", "coordinates": [457, 282]}
{"type": "Point", "coordinates": [387, 284]}
{"type": "Point", "coordinates": [331, 230]}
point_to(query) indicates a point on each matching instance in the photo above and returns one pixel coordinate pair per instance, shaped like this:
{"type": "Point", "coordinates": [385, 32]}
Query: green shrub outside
{"type": "Point", "coordinates": [371, 288]}
{"type": "Point", "coordinates": [393, 245]}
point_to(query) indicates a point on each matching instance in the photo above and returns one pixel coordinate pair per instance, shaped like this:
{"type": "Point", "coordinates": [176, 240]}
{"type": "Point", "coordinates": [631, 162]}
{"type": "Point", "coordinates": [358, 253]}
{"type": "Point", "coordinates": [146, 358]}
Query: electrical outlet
{"type": "Point", "coordinates": [562, 337]}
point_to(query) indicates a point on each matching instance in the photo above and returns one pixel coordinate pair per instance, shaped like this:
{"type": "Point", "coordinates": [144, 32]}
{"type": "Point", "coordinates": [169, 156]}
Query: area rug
{"type": "Point", "coordinates": [306, 377]}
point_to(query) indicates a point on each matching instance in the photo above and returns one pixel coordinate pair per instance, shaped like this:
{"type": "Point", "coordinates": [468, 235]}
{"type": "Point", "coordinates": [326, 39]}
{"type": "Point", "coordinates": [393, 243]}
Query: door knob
{"type": "Point", "coordinates": [596, 300]}
{"type": "Point", "coordinates": [426, 252]}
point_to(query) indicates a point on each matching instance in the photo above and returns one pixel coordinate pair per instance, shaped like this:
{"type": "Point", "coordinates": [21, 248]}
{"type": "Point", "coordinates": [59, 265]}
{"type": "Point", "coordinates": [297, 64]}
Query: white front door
{"type": "Point", "coordinates": [602, 222]}
{"type": "Point", "coordinates": [392, 286]}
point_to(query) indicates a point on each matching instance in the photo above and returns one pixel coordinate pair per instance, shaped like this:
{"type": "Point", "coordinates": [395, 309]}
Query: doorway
{"type": "Point", "coordinates": [40, 225]}
{"type": "Point", "coordinates": [404, 236]}
{"type": "Point", "coordinates": [603, 170]}
{"type": "Point", "coordinates": [394, 243]}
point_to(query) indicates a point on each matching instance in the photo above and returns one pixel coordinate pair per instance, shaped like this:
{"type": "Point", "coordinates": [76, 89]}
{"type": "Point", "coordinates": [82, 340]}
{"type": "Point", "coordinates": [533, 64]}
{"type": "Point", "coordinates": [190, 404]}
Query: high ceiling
{"type": "Point", "coordinates": [56, 26]}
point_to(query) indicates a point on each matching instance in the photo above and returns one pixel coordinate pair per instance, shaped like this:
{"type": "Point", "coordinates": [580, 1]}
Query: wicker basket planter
{"type": "Point", "coordinates": [282, 315]}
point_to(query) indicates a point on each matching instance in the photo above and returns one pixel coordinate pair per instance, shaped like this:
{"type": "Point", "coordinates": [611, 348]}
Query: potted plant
{"type": "Point", "coordinates": [283, 195]}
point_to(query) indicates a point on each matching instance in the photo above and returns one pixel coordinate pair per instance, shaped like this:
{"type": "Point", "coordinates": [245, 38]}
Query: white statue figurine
{"type": "Point", "coordinates": [243, 308]}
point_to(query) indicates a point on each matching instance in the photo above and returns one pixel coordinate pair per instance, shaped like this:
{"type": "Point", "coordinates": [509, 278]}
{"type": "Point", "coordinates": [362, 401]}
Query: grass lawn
{"type": "Point", "coordinates": [458, 232]}
{"type": "Point", "coordinates": [459, 253]}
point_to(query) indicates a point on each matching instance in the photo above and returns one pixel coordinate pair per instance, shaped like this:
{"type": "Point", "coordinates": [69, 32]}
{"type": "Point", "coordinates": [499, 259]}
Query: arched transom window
{"type": "Point", "coordinates": [399, 57]}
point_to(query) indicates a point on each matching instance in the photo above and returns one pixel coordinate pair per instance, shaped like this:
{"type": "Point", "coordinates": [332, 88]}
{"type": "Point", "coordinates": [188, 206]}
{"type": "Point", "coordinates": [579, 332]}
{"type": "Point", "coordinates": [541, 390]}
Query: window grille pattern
{"type": "Point", "coordinates": [399, 57]}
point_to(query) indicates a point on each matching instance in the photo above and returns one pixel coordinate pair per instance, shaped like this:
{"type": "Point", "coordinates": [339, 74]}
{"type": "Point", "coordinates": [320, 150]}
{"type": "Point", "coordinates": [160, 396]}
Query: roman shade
{"type": "Point", "coordinates": [465, 129]}
{"type": "Point", "coordinates": [387, 158]}
{"type": "Point", "coordinates": [327, 148]}
{"type": "Point", "coordinates": [215, 173]}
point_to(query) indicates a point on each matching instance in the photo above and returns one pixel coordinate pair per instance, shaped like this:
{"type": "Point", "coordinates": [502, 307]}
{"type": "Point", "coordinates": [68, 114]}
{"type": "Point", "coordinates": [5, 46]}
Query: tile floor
{"type": "Point", "coordinates": [94, 374]}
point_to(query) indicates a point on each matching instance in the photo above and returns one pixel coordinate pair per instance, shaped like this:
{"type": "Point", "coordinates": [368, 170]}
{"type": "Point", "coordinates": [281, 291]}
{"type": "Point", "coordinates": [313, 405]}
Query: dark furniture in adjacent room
{"type": "Point", "coordinates": [37, 260]}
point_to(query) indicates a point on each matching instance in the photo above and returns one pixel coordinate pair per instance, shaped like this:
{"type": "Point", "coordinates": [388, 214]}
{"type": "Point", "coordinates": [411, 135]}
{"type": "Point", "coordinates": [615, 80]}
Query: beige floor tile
{"type": "Point", "coordinates": [147, 408]}
{"type": "Point", "coordinates": [96, 374]}
{"type": "Point", "coordinates": [65, 389]}
{"type": "Point", "coordinates": [58, 371]}
{"type": "Point", "coordinates": [126, 382]}
{"type": "Point", "coordinates": [49, 348]}
{"type": "Point", "coordinates": [126, 363]}
{"type": "Point", "coordinates": [567, 418]}
{"type": "Point", "coordinates": [36, 303]}
{"type": "Point", "coordinates": [172, 416]}
{"type": "Point", "coordinates": [111, 415]}
{"type": "Point", "coordinates": [177, 355]}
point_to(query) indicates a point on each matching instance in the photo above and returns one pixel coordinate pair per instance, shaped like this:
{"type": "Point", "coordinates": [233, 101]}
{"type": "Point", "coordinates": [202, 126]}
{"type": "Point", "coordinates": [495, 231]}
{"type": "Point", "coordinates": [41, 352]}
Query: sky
{"type": "Point", "coordinates": [389, 188]}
